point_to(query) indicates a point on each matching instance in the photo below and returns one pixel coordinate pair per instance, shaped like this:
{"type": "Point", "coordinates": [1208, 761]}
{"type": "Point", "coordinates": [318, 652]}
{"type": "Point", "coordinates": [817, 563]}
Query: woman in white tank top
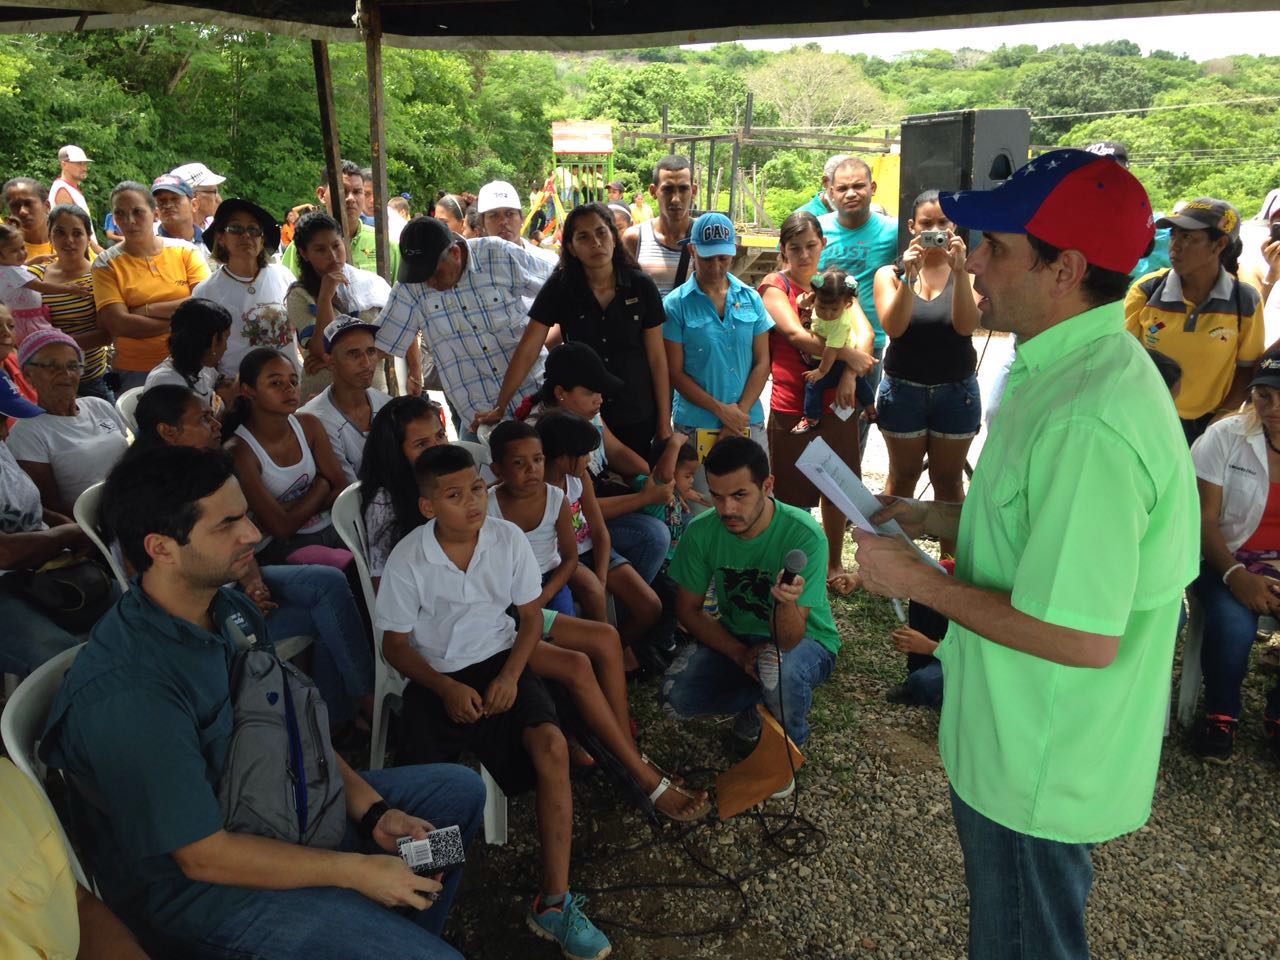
{"type": "Point", "coordinates": [289, 473]}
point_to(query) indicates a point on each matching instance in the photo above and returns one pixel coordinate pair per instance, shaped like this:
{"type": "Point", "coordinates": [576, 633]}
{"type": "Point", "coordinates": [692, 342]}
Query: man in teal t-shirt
{"type": "Point", "coordinates": [742, 546]}
{"type": "Point", "coordinates": [1075, 542]}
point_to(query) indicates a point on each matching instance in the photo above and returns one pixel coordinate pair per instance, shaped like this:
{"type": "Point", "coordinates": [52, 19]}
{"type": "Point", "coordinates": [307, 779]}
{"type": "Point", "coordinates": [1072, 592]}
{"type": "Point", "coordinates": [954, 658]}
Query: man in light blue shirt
{"type": "Point", "coordinates": [717, 340]}
{"type": "Point", "coordinates": [859, 242]}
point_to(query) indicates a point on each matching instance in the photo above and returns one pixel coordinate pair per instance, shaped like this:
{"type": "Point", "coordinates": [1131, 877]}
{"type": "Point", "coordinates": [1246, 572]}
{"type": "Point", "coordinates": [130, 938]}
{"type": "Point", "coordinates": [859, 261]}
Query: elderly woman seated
{"type": "Point", "coordinates": [1238, 472]}
{"type": "Point", "coordinates": [76, 441]}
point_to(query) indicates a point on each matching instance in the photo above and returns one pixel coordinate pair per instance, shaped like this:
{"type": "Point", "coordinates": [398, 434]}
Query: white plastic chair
{"type": "Point", "coordinates": [86, 515]}
{"type": "Point", "coordinates": [126, 403]}
{"type": "Point", "coordinates": [85, 512]}
{"type": "Point", "coordinates": [23, 721]}
{"type": "Point", "coordinates": [388, 684]}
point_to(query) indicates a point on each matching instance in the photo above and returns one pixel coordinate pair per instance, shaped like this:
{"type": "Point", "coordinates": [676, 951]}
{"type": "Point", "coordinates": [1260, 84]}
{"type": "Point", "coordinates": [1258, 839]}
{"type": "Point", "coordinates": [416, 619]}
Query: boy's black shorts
{"type": "Point", "coordinates": [429, 736]}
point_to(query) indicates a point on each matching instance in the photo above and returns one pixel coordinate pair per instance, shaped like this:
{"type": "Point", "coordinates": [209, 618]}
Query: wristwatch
{"type": "Point", "coordinates": [371, 817]}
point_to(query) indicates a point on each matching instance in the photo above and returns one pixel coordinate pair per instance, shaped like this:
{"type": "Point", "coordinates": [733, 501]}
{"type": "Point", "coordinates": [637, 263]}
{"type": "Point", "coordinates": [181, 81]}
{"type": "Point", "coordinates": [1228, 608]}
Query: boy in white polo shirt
{"type": "Point", "coordinates": [443, 604]}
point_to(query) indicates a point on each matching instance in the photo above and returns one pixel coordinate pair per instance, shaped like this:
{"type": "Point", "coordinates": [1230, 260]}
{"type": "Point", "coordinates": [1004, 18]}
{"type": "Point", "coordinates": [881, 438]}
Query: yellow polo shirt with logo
{"type": "Point", "coordinates": [1083, 511]}
{"type": "Point", "coordinates": [1209, 340]}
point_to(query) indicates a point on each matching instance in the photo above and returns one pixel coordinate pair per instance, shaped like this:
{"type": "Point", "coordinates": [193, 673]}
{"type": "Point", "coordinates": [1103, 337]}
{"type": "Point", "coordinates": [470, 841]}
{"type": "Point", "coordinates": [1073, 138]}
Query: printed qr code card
{"type": "Point", "coordinates": [416, 853]}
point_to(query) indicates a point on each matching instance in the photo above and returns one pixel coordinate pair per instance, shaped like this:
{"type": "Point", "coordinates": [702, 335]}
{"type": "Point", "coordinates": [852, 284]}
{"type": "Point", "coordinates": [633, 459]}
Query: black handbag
{"type": "Point", "coordinates": [73, 596]}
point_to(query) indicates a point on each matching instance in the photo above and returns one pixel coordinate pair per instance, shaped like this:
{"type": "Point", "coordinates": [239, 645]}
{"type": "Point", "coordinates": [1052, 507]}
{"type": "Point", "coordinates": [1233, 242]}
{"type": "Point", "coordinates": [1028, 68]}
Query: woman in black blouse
{"type": "Point", "coordinates": [599, 296]}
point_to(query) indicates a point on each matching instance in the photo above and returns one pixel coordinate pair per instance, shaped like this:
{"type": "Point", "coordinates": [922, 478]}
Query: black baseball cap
{"type": "Point", "coordinates": [266, 222]}
{"type": "Point", "coordinates": [577, 365]}
{"type": "Point", "coordinates": [422, 242]}
{"type": "Point", "coordinates": [1266, 372]}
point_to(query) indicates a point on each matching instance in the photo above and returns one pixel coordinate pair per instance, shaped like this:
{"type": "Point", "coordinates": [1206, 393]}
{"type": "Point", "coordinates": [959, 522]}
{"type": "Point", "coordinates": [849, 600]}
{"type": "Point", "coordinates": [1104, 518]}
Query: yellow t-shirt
{"type": "Point", "coordinates": [834, 332]}
{"type": "Point", "coordinates": [1209, 340]}
{"type": "Point", "coordinates": [120, 277]}
{"type": "Point", "coordinates": [39, 250]}
{"type": "Point", "coordinates": [38, 918]}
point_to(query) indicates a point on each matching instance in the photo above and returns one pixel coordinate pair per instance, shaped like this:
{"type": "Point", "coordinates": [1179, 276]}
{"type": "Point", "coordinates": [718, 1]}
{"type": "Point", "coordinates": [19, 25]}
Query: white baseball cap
{"type": "Point", "coordinates": [198, 175]}
{"type": "Point", "coordinates": [498, 195]}
{"type": "Point", "coordinates": [73, 154]}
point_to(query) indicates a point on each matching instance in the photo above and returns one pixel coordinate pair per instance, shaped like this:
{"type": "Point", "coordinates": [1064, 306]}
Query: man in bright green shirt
{"type": "Point", "coordinates": [361, 238]}
{"type": "Point", "coordinates": [742, 546]}
{"type": "Point", "coordinates": [1075, 542]}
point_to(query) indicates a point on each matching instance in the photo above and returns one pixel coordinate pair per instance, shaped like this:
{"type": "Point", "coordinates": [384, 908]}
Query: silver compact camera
{"type": "Point", "coordinates": [933, 238]}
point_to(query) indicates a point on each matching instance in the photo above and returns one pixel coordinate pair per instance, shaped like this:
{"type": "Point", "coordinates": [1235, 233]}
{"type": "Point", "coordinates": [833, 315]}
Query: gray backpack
{"type": "Point", "coordinates": [281, 778]}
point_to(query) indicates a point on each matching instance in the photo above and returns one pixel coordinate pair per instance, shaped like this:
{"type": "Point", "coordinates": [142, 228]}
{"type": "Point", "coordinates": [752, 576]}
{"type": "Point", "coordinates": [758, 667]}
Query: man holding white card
{"type": "Point", "coordinates": [1073, 547]}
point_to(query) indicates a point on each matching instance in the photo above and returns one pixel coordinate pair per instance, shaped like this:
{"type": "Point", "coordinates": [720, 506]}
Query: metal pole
{"type": "Point", "coordinates": [737, 146]}
{"type": "Point", "coordinates": [328, 127]}
{"type": "Point", "coordinates": [371, 23]}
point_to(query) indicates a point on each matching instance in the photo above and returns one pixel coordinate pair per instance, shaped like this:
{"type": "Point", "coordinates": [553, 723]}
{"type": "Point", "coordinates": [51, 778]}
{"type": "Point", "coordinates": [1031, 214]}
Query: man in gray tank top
{"type": "Point", "coordinates": [655, 243]}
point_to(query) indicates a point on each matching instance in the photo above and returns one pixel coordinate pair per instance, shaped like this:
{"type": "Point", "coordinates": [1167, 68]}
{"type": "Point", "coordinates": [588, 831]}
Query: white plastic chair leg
{"type": "Point", "coordinates": [378, 734]}
{"type": "Point", "coordinates": [1192, 675]}
{"type": "Point", "coordinates": [495, 810]}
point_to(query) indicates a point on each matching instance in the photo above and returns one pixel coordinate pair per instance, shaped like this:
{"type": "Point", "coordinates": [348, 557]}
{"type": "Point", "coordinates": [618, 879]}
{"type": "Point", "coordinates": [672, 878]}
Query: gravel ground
{"type": "Point", "coordinates": [886, 880]}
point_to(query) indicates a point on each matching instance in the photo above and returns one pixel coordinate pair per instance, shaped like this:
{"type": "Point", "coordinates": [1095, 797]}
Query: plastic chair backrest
{"type": "Point", "coordinates": [347, 520]}
{"type": "Point", "coordinates": [126, 403]}
{"type": "Point", "coordinates": [480, 451]}
{"type": "Point", "coordinates": [23, 721]}
{"type": "Point", "coordinates": [85, 512]}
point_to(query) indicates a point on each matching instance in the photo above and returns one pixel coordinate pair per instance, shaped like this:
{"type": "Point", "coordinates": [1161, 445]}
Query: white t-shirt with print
{"type": "Point", "coordinates": [14, 292]}
{"type": "Point", "coordinates": [81, 449]}
{"type": "Point", "coordinates": [258, 319]}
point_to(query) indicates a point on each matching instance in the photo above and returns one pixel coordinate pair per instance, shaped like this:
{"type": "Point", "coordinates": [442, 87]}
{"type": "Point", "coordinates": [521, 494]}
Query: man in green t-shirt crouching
{"type": "Point", "coordinates": [1078, 535]}
{"type": "Point", "coordinates": [742, 545]}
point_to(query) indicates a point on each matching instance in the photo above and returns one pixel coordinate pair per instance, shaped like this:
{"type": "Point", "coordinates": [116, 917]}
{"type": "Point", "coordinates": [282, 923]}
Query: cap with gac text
{"type": "Point", "coordinates": [1071, 199]}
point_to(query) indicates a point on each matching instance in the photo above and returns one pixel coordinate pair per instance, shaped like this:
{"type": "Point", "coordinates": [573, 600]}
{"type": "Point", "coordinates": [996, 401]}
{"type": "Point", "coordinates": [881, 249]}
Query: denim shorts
{"type": "Point", "coordinates": [951, 411]}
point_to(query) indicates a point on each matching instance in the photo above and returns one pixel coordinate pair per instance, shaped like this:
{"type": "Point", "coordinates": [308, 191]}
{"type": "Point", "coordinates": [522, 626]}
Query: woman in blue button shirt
{"type": "Point", "coordinates": [717, 340]}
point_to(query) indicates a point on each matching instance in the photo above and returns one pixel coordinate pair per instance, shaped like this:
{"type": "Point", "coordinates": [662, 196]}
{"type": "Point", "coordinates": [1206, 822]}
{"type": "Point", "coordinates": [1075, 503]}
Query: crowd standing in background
{"type": "Point", "coordinates": [623, 499]}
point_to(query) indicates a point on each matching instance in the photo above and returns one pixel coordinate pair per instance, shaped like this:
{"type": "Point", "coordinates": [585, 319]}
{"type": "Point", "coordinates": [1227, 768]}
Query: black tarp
{"type": "Point", "coordinates": [586, 24]}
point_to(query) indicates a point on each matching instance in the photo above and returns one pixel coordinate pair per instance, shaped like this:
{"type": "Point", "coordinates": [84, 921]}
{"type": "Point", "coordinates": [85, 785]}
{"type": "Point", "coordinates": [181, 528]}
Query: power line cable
{"type": "Point", "coordinates": [1175, 106]}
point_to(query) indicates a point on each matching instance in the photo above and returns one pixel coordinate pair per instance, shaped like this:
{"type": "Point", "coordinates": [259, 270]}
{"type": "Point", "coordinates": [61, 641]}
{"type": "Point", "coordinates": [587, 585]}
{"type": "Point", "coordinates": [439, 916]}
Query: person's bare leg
{"type": "Point", "coordinates": [600, 643]}
{"type": "Point", "coordinates": [946, 473]}
{"type": "Point", "coordinates": [906, 461]}
{"type": "Point", "coordinates": [589, 592]}
{"type": "Point", "coordinates": [833, 525]}
{"type": "Point", "coordinates": [642, 603]}
{"type": "Point", "coordinates": [549, 754]}
{"type": "Point", "coordinates": [572, 670]}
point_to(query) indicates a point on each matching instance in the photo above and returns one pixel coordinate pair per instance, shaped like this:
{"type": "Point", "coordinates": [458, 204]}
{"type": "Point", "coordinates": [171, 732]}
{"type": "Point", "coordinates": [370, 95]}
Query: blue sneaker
{"type": "Point", "coordinates": [567, 925]}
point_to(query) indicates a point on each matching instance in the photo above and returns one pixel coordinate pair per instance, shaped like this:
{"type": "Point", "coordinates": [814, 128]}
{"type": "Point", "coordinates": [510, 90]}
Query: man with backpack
{"type": "Point", "coordinates": [212, 811]}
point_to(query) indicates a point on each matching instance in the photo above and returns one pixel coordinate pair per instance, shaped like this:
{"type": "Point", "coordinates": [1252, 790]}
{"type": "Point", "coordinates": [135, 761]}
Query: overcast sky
{"type": "Point", "coordinates": [1202, 36]}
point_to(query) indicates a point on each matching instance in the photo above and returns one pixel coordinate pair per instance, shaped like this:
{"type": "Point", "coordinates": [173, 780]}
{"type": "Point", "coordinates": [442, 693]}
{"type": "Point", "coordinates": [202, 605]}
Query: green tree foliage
{"type": "Point", "coordinates": [142, 101]}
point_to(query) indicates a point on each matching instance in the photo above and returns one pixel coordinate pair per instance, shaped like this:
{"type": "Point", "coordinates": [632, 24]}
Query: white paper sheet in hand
{"type": "Point", "coordinates": [839, 484]}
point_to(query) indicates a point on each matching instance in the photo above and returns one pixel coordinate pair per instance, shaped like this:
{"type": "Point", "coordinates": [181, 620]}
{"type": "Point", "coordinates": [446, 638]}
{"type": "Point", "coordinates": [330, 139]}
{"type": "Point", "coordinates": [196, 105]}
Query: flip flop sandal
{"type": "Point", "coordinates": [663, 786]}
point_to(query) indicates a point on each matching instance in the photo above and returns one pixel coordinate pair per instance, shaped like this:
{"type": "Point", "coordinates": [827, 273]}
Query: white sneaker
{"type": "Point", "coordinates": [786, 791]}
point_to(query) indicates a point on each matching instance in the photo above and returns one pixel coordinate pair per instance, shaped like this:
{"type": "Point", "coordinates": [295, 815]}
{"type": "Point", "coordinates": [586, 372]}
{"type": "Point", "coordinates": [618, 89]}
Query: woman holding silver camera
{"type": "Point", "coordinates": [928, 403]}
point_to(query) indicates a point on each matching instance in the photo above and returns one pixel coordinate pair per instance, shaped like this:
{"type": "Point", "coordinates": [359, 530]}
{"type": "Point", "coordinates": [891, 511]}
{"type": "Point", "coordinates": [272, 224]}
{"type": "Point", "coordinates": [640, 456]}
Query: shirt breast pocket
{"type": "Point", "coordinates": [1009, 498]}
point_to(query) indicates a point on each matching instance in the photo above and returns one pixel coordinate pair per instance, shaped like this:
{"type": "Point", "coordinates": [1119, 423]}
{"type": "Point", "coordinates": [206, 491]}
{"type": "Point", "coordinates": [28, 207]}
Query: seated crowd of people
{"type": "Point", "coordinates": [621, 501]}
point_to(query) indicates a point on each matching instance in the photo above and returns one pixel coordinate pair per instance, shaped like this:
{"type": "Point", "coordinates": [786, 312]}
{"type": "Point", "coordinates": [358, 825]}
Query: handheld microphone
{"type": "Point", "coordinates": [792, 564]}
{"type": "Point", "coordinates": [768, 666]}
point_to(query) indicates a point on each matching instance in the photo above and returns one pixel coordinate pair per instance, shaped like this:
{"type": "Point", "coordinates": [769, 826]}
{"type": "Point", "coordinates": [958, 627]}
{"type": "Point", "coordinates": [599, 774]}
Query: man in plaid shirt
{"type": "Point", "coordinates": [470, 300]}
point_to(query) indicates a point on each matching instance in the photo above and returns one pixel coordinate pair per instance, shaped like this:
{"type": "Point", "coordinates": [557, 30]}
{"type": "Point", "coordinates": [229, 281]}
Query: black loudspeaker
{"type": "Point", "coordinates": [959, 150]}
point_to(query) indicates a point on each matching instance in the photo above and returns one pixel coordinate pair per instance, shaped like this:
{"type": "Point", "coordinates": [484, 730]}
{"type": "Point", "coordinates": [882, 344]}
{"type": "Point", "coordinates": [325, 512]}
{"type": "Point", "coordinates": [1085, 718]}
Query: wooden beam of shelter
{"type": "Point", "coordinates": [328, 128]}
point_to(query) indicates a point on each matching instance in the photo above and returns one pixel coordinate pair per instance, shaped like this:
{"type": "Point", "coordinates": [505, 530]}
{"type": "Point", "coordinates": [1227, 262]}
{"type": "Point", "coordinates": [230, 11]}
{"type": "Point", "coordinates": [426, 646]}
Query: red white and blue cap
{"type": "Point", "coordinates": [1071, 199]}
{"type": "Point", "coordinates": [712, 236]}
{"type": "Point", "coordinates": [14, 404]}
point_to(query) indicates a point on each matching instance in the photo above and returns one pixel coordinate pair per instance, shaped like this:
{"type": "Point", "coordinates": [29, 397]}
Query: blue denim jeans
{"type": "Point", "coordinates": [1229, 632]}
{"type": "Point", "coordinates": [643, 539]}
{"type": "Point", "coordinates": [30, 638]}
{"type": "Point", "coordinates": [328, 923]}
{"type": "Point", "coordinates": [813, 391]}
{"type": "Point", "coordinates": [925, 684]}
{"type": "Point", "coordinates": [701, 681]}
{"type": "Point", "coordinates": [316, 601]}
{"type": "Point", "coordinates": [872, 379]}
{"type": "Point", "coordinates": [1026, 895]}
